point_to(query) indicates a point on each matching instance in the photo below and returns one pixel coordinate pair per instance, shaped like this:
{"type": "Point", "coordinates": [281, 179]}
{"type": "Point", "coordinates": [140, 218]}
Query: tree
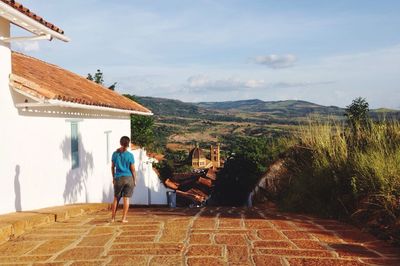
{"type": "Point", "coordinates": [131, 97]}
{"type": "Point", "coordinates": [142, 127]}
{"type": "Point", "coordinates": [98, 77]}
{"type": "Point", "coordinates": [142, 132]}
{"type": "Point", "coordinates": [248, 161]}
{"type": "Point", "coordinates": [165, 168]}
{"type": "Point", "coordinates": [357, 113]}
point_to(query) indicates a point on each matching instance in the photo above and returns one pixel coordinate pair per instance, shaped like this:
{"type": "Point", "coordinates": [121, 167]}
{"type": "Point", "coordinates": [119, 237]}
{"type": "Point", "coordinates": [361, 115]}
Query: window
{"type": "Point", "coordinates": [74, 145]}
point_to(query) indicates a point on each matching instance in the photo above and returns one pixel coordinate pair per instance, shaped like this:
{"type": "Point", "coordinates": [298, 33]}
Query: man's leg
{"type": "Point", "coordinates": [114, 208]}
{"type": "Point", "coordinates": [126, 208]}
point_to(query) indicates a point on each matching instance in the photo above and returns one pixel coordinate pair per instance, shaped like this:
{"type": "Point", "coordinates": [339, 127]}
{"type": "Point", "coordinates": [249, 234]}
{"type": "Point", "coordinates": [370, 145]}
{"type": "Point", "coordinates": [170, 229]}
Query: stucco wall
{"type": "Point", "coordinates": [37, 170]}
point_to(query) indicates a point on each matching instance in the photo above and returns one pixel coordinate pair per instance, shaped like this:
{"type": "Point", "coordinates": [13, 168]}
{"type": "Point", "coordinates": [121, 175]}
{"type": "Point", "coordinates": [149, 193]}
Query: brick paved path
{"type": "Point", "coordinates": [209, 236]}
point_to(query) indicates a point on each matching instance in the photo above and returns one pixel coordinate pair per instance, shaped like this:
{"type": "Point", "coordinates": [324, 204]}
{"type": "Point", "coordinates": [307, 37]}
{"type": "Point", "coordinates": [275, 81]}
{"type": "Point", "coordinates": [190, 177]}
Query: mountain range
{"type": "Point", "coordinates": [183, 123]}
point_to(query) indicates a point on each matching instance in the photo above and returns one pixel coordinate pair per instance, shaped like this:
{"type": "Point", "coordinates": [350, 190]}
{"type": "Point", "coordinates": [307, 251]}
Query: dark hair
{"type": "Point", "coordinates": [124, 141]}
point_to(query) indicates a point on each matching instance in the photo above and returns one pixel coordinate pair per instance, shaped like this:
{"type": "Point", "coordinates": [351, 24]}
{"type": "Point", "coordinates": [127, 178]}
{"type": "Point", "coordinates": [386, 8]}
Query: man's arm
{"type": "Point", "coordinates": [133, 173]}
{"type": "Point", "coordinates": [113, 171]}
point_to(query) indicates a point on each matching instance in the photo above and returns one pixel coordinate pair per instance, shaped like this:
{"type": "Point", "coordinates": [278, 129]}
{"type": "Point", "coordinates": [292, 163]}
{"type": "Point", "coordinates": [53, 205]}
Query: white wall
{"type": "Point", "coordinates": [149, 188]}
{"type": "Point", "coordinates": [37, 170]}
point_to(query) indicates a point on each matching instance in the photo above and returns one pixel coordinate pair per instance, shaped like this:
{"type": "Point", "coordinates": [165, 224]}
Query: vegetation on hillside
{"type": "Point", "coordinates": [182, 124]}
{"type": "Point", "coordinates": [247, 159]}
{"type": "Point", "coordinates": [349, 171]}
{"type": "Point", "coordinates": [174, 162]}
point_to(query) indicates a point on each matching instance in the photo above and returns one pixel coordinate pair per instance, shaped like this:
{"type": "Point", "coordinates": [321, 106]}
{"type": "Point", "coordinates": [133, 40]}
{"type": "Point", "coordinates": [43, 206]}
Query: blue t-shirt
{"type": "Point", "coordinates": [122, 162]}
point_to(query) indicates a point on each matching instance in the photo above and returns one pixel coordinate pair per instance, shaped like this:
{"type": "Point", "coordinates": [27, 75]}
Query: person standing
{"type": "Point", "coordinates": [123, 173]}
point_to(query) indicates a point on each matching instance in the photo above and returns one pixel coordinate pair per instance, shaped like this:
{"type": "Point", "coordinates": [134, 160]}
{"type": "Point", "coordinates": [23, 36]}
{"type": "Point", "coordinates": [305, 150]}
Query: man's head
{"type": "Point", "coordinates": [124, 141]}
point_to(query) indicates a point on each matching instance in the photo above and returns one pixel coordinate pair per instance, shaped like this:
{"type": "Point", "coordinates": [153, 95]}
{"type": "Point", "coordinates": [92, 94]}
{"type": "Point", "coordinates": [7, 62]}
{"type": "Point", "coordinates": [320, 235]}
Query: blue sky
{"type": "Point", "coordinates": [327, 52]}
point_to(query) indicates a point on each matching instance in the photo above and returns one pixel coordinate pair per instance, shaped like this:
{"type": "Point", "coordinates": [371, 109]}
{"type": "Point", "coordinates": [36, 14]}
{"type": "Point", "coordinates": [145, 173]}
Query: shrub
{"type": "Point", "coordinates": [337, 170]}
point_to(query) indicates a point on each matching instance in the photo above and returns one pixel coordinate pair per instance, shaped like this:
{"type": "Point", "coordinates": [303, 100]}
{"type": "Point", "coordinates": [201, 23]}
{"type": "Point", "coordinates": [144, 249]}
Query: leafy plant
{"type": "Point", "coordinates": [357, 113]}
{"type": "Point", "coordinates": [142, 130]}
{"type": "Point", "coordinates": [98, 77]}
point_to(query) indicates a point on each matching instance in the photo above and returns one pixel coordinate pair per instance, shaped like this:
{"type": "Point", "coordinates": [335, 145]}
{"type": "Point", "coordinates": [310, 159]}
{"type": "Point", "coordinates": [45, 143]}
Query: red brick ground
{"type": "Point", "coordinates": [207, 236]}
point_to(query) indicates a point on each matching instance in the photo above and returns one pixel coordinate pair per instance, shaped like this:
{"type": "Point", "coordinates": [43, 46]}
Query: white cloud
{"type": "Point", "coordinates": [202, 83]}
{"type": "Point", "coordinates": [27, 46]}
{"type": "Point", "coordinates": [276, 61]}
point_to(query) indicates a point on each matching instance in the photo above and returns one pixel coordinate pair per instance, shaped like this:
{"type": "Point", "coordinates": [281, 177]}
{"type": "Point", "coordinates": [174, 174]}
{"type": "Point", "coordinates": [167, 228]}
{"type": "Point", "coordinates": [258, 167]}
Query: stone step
{"type": "Point", "coordinates": [15, 224]}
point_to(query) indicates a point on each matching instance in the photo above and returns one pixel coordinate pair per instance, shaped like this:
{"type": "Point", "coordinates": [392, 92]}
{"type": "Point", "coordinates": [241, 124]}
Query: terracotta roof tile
{"type": "Point", "coordinates": [171, 184]}
{"type": "Point", "coordinates": [205, 181]}
{"type": "Point", "coordinates": [24, 10]}
{"type": "Point", "coordinates": [211, 174]}
{"type": "Point", "coordinates": [190, 187]}
{"type": "Point", "coordinates": [50, 82]}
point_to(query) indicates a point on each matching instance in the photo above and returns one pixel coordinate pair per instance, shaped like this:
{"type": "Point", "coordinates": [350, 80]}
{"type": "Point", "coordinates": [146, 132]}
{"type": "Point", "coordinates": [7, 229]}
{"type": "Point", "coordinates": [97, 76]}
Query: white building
{"type": "Point", "coordinates": [149, 189]}
{"type": "Point", "coordinates": [58, 129]}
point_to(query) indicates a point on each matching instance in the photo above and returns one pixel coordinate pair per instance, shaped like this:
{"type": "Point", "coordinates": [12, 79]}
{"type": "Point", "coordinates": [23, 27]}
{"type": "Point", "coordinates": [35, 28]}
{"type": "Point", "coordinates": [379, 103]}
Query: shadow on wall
{"type": "Point", "coordinates": [17, 189]}
{"type": "Point", "coordinates": [76, 179]}
{"type": "Point", "coordinates": [108, 194]}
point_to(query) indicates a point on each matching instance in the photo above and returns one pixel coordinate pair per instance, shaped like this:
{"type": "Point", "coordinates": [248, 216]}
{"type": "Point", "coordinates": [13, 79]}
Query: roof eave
{"type": "Point", "coordinates": [29, 24]}
{"type": "Point", "coordinates": [58, 103]}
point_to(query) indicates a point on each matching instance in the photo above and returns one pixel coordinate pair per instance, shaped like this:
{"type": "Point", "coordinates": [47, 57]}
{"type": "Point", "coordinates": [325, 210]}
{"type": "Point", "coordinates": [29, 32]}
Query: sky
{"type": "Point", "coordinates": [326, 52]}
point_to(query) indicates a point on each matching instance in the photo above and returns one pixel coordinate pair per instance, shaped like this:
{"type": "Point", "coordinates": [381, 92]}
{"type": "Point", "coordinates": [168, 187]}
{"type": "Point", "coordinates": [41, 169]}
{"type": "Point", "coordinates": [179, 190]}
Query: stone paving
{"type": "Point", "coordinates": [206, 236]}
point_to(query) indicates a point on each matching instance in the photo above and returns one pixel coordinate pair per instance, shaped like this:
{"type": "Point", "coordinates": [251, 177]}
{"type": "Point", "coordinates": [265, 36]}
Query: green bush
{"type": "Point", "coordinates": [338, 170]}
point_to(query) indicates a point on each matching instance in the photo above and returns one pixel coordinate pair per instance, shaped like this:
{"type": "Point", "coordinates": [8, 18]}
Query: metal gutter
{"type": "Point", "coordinates": [23, 21]}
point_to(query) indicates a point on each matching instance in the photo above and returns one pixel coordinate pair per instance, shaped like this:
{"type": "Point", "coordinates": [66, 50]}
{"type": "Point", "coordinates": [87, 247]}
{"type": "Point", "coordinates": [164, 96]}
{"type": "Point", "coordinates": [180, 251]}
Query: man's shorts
{"type": "Point", "coordinates": [123, 186]}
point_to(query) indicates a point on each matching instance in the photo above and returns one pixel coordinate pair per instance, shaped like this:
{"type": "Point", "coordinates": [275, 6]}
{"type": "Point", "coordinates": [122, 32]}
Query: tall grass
{"type": "Point", "coordinates": [343, 171]}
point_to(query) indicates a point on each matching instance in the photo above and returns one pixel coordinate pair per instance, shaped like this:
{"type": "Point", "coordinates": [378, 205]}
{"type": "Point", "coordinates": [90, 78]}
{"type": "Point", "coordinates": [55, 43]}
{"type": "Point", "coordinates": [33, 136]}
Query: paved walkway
{"type": "Point", "coordinates": [208, 236]}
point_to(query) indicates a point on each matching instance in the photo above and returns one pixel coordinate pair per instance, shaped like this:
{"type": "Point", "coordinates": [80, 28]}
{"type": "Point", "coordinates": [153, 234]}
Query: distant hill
{"type": "Point", "coordinates": [296, 108]}
{"type": "Point", "coordinates": [162, 106]}
{"type": "Point", "coordinates": [289, 107]}
{"type": "Point", "coordinates": [181, 123]}
{"type": "Point", "coordinates": [167, 107]}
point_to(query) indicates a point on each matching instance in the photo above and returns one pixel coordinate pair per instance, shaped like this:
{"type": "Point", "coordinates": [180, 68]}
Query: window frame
{"type": "Point", "coordinates": [75, 156]}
